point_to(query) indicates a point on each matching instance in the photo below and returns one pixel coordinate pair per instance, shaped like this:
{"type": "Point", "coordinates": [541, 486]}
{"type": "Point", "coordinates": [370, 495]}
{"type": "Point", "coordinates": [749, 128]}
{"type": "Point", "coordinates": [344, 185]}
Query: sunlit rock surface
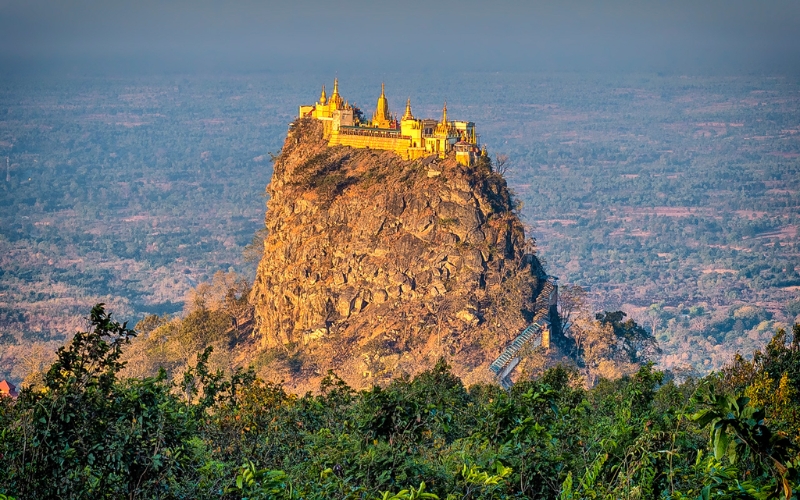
{"type": "Point", "coordinates": [374, 266]}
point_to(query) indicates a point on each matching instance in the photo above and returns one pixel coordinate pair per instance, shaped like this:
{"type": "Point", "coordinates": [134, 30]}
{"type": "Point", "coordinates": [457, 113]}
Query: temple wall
{"type": "Point", "coordinates": [399, 145]}
{"type": "Point", "coordinates": [327, 126]}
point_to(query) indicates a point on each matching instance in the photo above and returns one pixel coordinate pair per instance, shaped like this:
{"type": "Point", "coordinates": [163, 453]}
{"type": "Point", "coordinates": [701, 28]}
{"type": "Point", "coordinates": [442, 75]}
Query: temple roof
{"type": "Point", "coordinates": [323, 98]}
{"type": "Point", "coordinates": [8, 388]}
{"type": "Point", "coordinates": [407, 115]}
{"type": "Point", "coordinates": [382, 109]}
{"type": "Point", "coordinates": [336, 100]}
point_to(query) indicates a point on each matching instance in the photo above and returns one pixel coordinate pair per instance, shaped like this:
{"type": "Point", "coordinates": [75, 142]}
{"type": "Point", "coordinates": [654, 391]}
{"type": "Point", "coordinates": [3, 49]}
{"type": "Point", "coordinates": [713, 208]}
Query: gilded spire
{"type": "Point", "coordinates": [444, 113]}
{"type": "Point", "coordinates": [323, 97]}
{"type": "Point", "coordinates": [336, 101]}
{"type": "Point", "coordinates": [381, 117]}
{"type": "Point", "coordinates": [407, 115]}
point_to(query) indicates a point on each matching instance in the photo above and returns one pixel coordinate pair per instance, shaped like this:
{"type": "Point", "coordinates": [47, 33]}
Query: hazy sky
{"type": "Point", "coordinates": [682, 35]}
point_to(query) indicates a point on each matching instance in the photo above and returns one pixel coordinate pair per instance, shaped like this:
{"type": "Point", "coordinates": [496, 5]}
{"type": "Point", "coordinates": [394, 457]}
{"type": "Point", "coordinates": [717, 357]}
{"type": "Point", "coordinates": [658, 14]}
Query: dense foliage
{"type": "Point", "coordinates": [87, 433]}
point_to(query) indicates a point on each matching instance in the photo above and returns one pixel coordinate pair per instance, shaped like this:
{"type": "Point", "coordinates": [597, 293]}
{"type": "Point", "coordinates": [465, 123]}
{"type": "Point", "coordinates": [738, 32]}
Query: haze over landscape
{"type": "Point", "coordinates": [649, 152]}
{"type": "Point", "coordinates": [712, 36]}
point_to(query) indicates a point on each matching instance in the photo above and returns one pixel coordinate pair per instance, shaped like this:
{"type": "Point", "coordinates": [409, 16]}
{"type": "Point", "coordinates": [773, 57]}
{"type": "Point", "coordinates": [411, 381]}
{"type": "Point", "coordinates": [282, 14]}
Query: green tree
{"type": "Point", "coordinates": [636, 343]}
{"type": "Point", "coordinates": [88, 435]}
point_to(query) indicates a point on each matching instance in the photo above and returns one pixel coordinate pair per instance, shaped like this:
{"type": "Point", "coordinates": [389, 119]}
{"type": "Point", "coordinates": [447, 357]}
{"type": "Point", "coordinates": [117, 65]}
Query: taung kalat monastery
{"type": "Point", "coordinates": [412, 138]}
{"type": "Point", "coordinates": [409, 137]}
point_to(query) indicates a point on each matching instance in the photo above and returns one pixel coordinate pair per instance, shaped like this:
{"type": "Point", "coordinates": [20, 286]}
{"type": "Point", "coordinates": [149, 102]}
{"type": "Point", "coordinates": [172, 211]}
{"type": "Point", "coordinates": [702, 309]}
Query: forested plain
{"type": "Point", "coordinates": [673, 198]}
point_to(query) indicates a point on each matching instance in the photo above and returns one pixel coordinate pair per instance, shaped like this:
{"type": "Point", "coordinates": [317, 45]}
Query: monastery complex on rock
{"type": "Point", "coordinates": [409, 137]}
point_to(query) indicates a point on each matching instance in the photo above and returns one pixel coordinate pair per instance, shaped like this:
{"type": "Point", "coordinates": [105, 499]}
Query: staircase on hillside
{"type": "Point", "coordinates": [535, 334]}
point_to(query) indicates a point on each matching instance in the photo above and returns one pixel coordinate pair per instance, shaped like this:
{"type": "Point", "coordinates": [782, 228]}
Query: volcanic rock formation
{"type": "Point", "coordinates": [374, 266]}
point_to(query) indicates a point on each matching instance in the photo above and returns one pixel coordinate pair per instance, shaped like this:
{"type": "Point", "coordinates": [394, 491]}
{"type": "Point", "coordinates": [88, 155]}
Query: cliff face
{"type": "Point", "coordinates": [374, 266]}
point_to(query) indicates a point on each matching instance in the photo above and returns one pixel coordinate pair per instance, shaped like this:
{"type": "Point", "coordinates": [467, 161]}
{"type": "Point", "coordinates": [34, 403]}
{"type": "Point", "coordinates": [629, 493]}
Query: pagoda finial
{"type": "Point", "coordinates": [444, 113]}
{"type": "Point", "coordinates": [382, 116]}
{"type": "Point", "coordinates": [323, 97]}
{"type": "Point", "coordinates": [407, 115]}
{"type": "Point", "coordinates": [336, 101]}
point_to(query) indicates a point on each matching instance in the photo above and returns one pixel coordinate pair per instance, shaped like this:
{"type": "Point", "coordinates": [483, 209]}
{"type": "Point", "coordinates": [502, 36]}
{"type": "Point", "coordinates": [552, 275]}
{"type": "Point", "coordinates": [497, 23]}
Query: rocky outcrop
{"type": "Point", "coordinates": [375, 266]}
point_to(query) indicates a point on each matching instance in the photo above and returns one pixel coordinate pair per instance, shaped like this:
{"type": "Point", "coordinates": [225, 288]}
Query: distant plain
{"type": "Point", "coordinates": [674, 198]}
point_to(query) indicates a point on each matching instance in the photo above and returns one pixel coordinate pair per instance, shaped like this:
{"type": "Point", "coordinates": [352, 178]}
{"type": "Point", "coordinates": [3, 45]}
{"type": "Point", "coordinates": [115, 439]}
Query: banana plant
{"type": "Point", "coordinates": [738, 430]}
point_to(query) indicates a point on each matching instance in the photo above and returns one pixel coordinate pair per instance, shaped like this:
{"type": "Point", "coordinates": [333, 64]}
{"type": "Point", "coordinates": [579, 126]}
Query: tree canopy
{"type": "Point", "coordinates": [89, 433]}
